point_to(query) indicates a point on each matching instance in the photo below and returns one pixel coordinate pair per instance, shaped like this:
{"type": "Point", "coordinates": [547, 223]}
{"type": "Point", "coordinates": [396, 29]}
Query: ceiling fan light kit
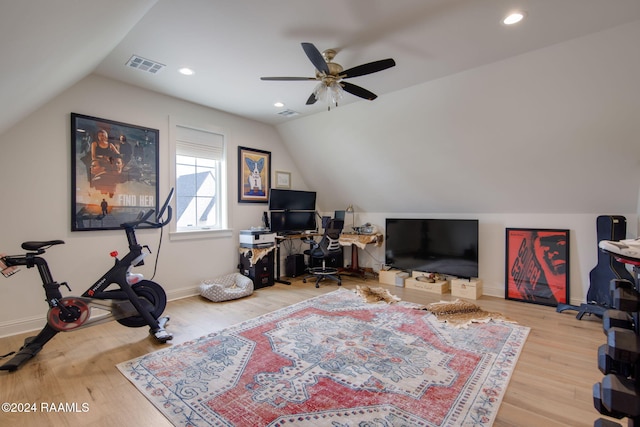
{"type": "Point", "coordinates": [331, 74]}
{"type": "Point", "coordinates": [333, 93]}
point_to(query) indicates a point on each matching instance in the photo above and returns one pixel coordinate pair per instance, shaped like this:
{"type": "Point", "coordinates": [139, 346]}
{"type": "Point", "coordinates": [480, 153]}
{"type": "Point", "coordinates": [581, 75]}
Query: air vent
{"type": "Point", "coordinates": [288, 113]}
{"type": "Point", "coordinates": [143, 64]}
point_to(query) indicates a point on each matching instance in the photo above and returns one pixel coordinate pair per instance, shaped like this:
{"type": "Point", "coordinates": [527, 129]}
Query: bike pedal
{"type": "Point", "coordinates": [166, 338]}
{"type": "Point", "coordinates": [162, 336]}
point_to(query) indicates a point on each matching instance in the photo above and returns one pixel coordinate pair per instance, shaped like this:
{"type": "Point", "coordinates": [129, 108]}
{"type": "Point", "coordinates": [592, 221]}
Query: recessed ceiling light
{"type": "Point", "coordinates": [513, 18]}
{"type": "Point", "coordinates": [278, 104]}
{"type": "Point", "coordinates": [186, 71]}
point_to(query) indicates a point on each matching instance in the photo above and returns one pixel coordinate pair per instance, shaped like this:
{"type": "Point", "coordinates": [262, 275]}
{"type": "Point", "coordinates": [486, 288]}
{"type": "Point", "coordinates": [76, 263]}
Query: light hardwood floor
{"type": "Point", "coordinates": [551, 385]}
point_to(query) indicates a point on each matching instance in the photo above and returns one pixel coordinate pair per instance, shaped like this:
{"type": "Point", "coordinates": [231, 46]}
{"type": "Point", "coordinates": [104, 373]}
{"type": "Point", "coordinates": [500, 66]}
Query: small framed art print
{"type": "Point", "coordinates": [283, 179]}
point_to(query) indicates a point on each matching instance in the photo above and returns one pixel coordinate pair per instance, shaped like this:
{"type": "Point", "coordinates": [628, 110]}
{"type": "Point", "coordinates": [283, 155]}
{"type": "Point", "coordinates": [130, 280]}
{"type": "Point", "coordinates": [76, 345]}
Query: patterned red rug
{"type": "Point", "coordinates": [334, 360]}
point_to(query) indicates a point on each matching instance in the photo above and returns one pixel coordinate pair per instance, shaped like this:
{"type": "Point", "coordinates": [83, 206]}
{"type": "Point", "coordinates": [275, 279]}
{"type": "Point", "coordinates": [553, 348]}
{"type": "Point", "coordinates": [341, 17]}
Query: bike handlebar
{"type": "Point", "coordinates": [158, 223]}
{"type": "Point", "coordinates": [144, 216]}
{"type": "Point", "coordinates": [168, 220]}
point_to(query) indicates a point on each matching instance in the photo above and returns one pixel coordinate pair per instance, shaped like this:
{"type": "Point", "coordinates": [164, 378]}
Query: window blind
{"type": "Point", "coordinates": [199, 143]}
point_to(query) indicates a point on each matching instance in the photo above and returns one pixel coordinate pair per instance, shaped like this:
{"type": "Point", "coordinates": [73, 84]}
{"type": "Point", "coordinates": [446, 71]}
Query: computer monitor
{"type": "Point", "coordinates": [292, 200]}
{"type": "Point", "coordinates": [292, 222]}
{"type": "Point", "coordinates": [339, 215]}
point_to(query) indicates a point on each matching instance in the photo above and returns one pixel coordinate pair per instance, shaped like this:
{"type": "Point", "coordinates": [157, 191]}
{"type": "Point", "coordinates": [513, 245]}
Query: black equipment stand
{"type": "Point", "coordinates": [583, 309]}
{"type": "Point", "coordinates": [608, 227]}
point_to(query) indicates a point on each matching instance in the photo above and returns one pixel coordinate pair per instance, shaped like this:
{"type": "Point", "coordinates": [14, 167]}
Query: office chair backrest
{"type": "Point", "coordinates": [330, 241]}
{"type": "Point", "coordinates": [334, 227]}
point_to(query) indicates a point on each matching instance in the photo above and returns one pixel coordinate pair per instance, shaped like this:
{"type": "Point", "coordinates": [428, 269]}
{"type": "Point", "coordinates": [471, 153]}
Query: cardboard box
{"type": "Point", "coordinates": [440, 287]}
{"type": "Point", "coordinates": [388, 277]}
{"type": "Point", "coordinates": [392, 277]}
{"type": "Point", "coordinates": [464, 288]}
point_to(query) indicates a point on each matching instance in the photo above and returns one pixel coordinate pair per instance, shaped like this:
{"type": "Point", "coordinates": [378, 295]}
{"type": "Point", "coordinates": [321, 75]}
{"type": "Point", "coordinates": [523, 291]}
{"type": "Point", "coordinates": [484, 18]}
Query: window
{"type": "Point", "coordinates": [200, 179]}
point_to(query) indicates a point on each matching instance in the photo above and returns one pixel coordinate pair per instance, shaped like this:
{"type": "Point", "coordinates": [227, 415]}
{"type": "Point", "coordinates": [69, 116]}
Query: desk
{"type": "Point", "coordinates": [358, 241]}
{"type": "Point", "coordinates": [279, 240]}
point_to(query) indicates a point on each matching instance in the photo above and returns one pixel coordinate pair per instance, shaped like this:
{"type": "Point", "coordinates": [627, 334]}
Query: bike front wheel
{"type": "Point", "coordinates": [152, 297]}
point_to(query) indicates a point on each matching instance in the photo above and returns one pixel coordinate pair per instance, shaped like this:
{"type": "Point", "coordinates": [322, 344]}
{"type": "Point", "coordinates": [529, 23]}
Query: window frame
{"type": "Point", "coordinates": [225, 229]}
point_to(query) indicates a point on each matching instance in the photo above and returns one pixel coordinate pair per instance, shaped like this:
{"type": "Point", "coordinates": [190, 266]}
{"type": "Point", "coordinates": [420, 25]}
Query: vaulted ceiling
{"type": "Point", "coordinates": [48, 46]}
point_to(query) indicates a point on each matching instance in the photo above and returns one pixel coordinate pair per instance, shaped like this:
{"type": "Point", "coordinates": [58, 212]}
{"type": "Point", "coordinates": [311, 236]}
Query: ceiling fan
{"type": "Point", "coordinates": [331, 74]}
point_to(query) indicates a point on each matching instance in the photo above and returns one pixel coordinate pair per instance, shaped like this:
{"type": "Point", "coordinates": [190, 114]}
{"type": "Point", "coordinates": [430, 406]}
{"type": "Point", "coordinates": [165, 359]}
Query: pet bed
{"type": "Point", "coordinates": [225, 288]}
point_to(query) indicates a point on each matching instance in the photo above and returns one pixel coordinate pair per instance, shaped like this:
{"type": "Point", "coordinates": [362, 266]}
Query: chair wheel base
{"type": "Point", "coordinates": [323, 276]}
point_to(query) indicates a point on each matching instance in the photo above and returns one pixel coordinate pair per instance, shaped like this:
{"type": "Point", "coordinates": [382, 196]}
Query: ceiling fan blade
{"type": "Point", "coordinates": [287, 78]}
{"type": "Point", "coordinates": [358, 91]}
{"type": "Point", "coordinates": [312, 99]}
{"type": "Point", "coordinates": [371, 67]}
{"type": "Point", "coordinates": [315, 57]}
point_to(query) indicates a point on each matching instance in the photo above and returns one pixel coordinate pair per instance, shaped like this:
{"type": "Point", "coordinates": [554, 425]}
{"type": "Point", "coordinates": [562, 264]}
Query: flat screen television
{"type": "Point", "coordinates": [292, 200]}
{"type": "Point", "coordinates": [446, 246]}
{"type": "Point", "coordinates": [292, 222]}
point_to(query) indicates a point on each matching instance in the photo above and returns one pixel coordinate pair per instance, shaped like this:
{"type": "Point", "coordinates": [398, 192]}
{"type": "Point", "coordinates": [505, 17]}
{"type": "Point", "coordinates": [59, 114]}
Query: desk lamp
{"type": "Point", "coordinates": [351, 212]}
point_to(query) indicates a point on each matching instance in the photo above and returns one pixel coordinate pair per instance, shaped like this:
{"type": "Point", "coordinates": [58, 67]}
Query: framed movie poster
{"type": "Point", "coordinates": [114, 168]}
{"type": "Point", "coordinates": [254, 175]}
{"type": "Point", "coordinates": [537, 265]}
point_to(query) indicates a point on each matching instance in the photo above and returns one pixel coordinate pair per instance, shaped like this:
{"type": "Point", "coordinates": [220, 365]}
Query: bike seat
{"type": "Point", "coordinates": [34, 246]}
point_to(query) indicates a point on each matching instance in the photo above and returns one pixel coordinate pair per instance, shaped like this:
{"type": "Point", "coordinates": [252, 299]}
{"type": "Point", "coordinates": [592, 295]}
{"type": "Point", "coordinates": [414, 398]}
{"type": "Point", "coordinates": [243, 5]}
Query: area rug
{"type": "Point", "coordinates": [334, 360]}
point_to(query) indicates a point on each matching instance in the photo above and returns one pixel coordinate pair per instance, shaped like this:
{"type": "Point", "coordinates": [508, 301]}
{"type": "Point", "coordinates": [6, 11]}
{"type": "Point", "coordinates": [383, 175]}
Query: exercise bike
{"type": "Point", "coordinates": [132, 301]}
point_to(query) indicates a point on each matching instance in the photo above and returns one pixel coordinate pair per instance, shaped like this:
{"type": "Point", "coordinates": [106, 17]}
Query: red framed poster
{"type": "Point", "coordinates": [537, 265]}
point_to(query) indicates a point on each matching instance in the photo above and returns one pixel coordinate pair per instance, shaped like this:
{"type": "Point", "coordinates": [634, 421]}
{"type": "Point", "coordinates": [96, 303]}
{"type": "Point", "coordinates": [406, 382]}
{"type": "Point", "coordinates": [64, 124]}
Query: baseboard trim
{"type": "Point", "coordinates": [31, 324]}
{"type": "Point", "coordinates": [492, 292]}
{"type": "Point", "coordinates": [20, 326]}
{"type": "Point", "coordinates": [182, 293]}
{"type": "Point", "coordinates": [499, 293]}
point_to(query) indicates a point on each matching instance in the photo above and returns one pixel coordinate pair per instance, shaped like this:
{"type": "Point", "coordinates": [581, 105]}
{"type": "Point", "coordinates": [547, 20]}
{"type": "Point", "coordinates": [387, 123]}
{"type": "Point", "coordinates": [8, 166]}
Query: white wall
{"type": "Point", "coordinates": [35, 172]}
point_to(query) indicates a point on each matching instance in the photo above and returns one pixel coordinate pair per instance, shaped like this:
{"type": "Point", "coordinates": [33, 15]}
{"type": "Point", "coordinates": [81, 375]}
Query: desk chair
{"type": "Point", "coordinates": [327, 246]}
